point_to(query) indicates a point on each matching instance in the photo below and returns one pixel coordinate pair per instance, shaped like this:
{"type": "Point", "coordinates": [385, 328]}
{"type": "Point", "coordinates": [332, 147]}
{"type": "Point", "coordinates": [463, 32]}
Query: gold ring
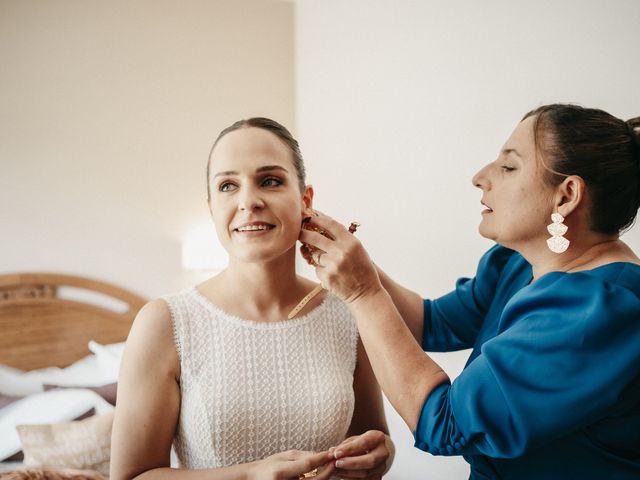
{"type": "Point", "coordinates": [311, 474]}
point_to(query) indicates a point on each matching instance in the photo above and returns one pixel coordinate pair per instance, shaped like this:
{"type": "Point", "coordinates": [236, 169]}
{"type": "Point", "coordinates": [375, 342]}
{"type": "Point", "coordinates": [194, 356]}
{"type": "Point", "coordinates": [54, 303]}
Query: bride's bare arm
{"type": "Point", "coordinates": [368, 428]}
{"type": "Point", "coordinates": [148, 395]}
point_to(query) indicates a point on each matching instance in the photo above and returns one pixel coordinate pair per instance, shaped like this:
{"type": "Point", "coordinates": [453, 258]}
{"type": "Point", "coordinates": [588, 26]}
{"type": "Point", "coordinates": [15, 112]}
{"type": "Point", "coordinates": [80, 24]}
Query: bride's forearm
{"type": "Point", "coordinates": [235, 472]}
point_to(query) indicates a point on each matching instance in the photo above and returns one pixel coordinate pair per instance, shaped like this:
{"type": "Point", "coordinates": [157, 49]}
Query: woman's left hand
{"type": "Point", "coordinates": [342, 264]}
{"type": "Point", "coordinates": [362, 456]}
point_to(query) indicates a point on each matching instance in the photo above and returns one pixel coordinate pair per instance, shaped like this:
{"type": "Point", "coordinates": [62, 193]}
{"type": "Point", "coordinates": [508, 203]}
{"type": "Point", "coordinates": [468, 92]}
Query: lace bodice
{"type": "Point", "coordinates": [251, 389]}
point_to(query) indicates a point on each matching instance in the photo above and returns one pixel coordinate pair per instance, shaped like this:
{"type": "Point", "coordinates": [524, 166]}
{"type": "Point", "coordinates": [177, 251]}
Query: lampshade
{"type": "Point", "coordinates": [202, 251]}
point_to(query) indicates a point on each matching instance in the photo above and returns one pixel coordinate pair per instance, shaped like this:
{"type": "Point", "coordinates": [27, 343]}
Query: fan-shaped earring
{"type": "Point", "coordinates": [557, 243]}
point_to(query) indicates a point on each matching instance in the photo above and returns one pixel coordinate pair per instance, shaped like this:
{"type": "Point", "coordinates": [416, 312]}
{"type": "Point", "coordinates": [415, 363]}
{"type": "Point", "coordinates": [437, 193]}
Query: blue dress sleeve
{"type": "Point", "coordinates": [453, 321]}
{"type": "Point", "coordinates": [566, 354]}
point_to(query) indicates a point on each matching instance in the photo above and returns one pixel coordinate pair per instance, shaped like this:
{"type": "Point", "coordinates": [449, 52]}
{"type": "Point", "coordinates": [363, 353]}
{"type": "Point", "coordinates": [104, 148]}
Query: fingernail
{"type": "Point", "coordinates": [339, 464]}
{"type": "Point", "coordinates": [337, 454]}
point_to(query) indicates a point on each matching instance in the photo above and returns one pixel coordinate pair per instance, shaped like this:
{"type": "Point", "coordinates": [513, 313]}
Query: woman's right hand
{"type": "Point", "coordinates": [293, 465]}
{"type": "Point", "coordinates": [342, 264]}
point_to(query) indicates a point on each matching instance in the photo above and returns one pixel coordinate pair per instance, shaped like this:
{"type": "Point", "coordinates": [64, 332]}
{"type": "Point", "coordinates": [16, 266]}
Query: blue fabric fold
{"type": "Point", "coordinates": [552, 387]}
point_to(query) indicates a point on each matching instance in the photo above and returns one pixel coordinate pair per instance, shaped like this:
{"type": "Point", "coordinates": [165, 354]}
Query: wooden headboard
{"type": "Point", "coordinates": [47, 319]}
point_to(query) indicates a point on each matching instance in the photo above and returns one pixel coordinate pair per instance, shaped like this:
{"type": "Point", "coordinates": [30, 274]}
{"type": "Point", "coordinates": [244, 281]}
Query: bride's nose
{"type": "Point", "coordinates": [250, 200]}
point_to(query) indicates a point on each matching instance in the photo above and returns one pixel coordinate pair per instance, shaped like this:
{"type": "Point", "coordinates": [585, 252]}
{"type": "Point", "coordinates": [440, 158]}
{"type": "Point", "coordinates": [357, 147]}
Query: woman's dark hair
{"type": "Point", "coordinates": [271, 126]}
{"type": "Point", "coordinates": [601, 149]}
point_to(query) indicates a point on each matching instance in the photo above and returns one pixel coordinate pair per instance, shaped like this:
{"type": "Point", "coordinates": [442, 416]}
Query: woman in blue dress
{"type": "Point", "coordinates": [552, 387]}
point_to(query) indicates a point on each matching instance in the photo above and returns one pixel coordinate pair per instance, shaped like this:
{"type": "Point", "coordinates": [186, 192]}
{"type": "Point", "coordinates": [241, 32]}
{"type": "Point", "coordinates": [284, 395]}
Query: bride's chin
{"type": "Point", "coordinates": [263, 256]}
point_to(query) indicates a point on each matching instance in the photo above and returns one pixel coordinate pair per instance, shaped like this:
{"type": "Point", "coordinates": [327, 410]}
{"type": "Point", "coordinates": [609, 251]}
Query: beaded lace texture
{"type": "Point", "coordinates": [251, 389]}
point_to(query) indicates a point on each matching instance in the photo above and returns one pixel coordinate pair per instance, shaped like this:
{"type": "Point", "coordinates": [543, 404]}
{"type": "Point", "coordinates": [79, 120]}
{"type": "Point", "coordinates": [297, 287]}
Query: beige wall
{"type": "Point", "coordinates": [107, 114]}
{"type": "Point", "coordinates": [399, 102]}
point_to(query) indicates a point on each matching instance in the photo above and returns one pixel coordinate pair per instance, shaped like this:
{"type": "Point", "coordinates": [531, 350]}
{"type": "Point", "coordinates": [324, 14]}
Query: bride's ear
{"type": "Point", "coordinates": [307, 201]}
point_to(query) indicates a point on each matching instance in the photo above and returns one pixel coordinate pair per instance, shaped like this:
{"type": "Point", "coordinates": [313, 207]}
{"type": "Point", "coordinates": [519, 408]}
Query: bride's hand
{"type": "Point", "coordinates": [293, 465]}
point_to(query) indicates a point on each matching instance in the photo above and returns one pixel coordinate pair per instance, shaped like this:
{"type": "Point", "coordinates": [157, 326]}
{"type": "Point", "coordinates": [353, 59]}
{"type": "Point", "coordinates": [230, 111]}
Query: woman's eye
{"type": "Point", "coordinates": [507, 169]}
{"type": "Point", "coordinates": [271, 182]}
{"type": "Point", "coordinates": [226, 187]}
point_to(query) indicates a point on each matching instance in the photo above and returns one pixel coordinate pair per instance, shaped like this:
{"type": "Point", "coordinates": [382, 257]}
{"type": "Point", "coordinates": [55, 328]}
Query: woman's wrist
{"type": "Point", "coordinates": [368, 300]}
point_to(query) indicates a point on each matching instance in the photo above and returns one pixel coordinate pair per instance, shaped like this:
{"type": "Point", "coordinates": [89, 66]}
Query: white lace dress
{"type": "Point", "coordinates": [252, 389]}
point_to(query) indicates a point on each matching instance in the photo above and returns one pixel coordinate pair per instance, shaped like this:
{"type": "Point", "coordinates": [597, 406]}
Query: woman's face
{"type": "Point", "coordinates": [256, 202]}
{"type": "Point", "coordinates": [517, 202]}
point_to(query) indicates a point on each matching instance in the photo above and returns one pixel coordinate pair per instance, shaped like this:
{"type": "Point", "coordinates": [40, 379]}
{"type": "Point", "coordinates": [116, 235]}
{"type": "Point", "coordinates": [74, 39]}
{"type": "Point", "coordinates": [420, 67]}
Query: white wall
{"type": "Point", "coordinates": [398, 103]}
{"type": "Point", "coordinates": [107, 114]}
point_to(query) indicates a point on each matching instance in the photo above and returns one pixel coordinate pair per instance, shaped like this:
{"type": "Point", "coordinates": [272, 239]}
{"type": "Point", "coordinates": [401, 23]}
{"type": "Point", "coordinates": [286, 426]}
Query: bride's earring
{"type": "Point", "coordinates": [557, 243]}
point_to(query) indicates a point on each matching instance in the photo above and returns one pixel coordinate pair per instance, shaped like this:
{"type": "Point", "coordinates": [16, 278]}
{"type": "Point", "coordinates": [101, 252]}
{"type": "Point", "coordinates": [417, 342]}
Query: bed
{"type": "Point", "coordinates": [61, 339]}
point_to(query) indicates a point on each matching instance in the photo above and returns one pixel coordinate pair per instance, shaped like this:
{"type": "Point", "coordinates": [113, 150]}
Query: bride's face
{"type": "Point", "coordinates": [256, 202]}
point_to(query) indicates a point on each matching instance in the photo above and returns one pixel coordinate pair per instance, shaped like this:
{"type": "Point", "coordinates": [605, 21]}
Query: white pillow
{"type": "Point", "coordinates": [20, 383]}
{"type": "Point", "coordinates": [92, 370]}
{"type": "Point", "coordinates": [53, 406]}
{"type": "Point", "coordinates": [108, 358]}
{"type": "Point", "coordinates": [13, 382]}
{"type": "Point", "coordinates": [85, 371]}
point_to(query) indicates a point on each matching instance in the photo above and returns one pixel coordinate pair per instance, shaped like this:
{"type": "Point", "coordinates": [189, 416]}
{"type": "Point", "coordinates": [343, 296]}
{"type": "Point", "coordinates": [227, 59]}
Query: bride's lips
{"type": "Point", "coordinates": [253, 228]}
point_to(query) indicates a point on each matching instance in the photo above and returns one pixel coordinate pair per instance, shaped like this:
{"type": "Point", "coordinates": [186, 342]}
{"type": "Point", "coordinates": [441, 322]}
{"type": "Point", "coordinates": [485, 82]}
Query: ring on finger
{"type": "Point", "coordinates": [311, 474]}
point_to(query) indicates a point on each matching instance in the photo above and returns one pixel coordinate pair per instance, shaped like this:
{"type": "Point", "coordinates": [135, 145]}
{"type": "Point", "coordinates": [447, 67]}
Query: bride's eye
{"type": "Point", "coordinates": [271, 182]}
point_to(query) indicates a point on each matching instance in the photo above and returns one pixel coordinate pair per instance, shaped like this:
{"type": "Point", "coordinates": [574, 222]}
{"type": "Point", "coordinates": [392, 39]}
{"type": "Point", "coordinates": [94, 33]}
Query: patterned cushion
{"type": "Point", "coordinates": [84, 444]}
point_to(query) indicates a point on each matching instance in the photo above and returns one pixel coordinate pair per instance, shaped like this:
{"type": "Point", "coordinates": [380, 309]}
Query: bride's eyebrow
{"type": "Point", "coordinates": [266, 168]}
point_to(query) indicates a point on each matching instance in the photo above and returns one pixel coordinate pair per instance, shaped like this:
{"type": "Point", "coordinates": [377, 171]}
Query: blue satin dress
{"type": "Point", "coordinates": [552, 387]}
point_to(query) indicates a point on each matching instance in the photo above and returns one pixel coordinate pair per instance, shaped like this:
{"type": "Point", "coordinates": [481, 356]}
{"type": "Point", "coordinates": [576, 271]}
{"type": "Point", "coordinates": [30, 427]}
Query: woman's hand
{"type": "Point", "coordinates": [362, 456]}
{"type": "Point", "coordinates": [342, 264]}
{"type": "Point", "coordinates": [293, 465]}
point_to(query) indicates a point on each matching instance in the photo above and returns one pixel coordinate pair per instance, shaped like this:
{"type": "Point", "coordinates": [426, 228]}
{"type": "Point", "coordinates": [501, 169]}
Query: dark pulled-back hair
{"type": "Point", "coordinates": [601, 149]}
{"type": "Point", "coordinates": [271, 126]}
